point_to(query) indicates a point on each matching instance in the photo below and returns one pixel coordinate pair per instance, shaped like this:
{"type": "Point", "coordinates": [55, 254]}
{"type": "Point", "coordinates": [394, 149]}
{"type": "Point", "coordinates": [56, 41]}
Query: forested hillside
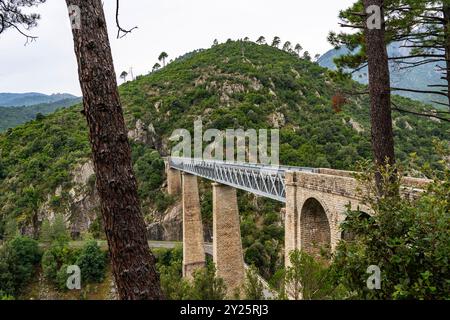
{"type": "Point", "coordinates": [233, 85]}
{"type": "Point", "coordinates": [11, 117]}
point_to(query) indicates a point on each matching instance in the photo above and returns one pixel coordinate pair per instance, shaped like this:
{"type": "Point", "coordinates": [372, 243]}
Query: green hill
{"type": "Point", "coordinates": [31, 98]}
{"type": "Point", "coordinates": [232, 85]}
{"type": "Point", "coordinates": [11, 117]}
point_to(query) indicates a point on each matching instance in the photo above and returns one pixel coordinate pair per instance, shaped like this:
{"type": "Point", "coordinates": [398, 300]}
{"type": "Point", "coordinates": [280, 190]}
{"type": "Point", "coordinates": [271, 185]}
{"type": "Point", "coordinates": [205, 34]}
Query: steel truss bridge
{"type": "Point", "coordinates": [262, 180]}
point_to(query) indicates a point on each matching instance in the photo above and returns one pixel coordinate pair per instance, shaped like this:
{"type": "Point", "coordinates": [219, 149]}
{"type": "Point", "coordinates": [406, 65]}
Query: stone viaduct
{"type": "Point", "coordinates": [316, 201]}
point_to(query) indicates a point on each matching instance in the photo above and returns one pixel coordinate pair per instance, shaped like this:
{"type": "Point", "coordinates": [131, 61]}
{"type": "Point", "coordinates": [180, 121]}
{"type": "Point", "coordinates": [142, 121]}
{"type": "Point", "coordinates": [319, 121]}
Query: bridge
{"type": "Point", "coordinates": [315, 199]}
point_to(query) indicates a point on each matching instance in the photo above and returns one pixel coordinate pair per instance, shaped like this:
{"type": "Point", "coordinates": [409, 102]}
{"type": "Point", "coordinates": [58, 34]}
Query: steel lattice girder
{"type": "Point", "coordinates": [263, 180]}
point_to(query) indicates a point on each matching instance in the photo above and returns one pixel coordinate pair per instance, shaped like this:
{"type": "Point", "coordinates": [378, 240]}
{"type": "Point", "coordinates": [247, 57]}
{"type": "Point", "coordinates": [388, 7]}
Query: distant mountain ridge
{"type": "Point", "coordinates": [11, 117]}
{"type": "Point", "coordinates": [31, 98]}
{"type": "Point", "coordinates": [415, 78]}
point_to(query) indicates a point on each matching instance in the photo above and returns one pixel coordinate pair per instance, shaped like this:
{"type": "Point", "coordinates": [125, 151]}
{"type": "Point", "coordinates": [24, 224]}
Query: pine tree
{"type": "Point", "coordinates": [132, 261]}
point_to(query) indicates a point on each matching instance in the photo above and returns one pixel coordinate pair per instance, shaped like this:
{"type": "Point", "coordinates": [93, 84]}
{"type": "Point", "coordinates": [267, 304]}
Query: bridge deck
{"type": "Point", "coordinates": [263, 180]}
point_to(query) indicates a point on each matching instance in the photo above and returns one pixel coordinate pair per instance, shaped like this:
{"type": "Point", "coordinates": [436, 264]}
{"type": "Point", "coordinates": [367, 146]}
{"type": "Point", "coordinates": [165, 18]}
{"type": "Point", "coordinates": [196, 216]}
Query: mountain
{"type": "Point", "coordinates": [31, 98]}
{"type": "Point", "coordinates": [11, 117]}
{"type": "Point", "coordinates": [414, 78]}
{"type": "Point", "coordinates": [45, 165]}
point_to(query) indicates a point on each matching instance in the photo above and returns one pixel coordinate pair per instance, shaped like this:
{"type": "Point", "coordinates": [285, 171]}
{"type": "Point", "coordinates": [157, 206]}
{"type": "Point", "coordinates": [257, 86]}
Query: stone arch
{"type": "Point", "coordinates": [315, 231]}
{"type": "Point", "coordinates": [350, 236]}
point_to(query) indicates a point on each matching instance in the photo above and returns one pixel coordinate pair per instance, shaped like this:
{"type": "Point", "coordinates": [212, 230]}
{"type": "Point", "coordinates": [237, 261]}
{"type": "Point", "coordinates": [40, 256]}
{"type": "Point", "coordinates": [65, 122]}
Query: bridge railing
{"type": "Point", "coordinates": [263, 180]}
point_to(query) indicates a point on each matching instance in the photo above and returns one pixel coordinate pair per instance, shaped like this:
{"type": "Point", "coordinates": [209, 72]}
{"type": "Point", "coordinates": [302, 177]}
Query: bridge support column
{"type": "Point", "coordinates": [227, 245]}
{"type": "Point", "coordinates": [291, 218]}
{"type": "Point", "coordinates": [173, 180]}
{"type": "Point", "coordinates": [193, 241]}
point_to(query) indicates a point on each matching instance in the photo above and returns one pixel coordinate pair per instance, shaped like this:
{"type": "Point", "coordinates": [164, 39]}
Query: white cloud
{"type": "Point", "coordinates": [175, 26]}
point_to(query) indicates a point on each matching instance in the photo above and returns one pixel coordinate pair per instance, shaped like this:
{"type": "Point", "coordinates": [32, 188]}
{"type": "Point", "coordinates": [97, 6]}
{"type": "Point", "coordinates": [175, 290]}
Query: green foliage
{"type": "Point", "coordinates": [204, 286]}
{"type": "Point", "coordinates": [39, 157]}
{"type": "Point", "coordinates": [262, 233]}
{"type": "Point", "coordinates": [149, 169]}
{"type": "Point", "coordinates": [17, 261]}
{"type": "Point", "coordinates": [408, 239]}
{"type": "Point", "coordinates": [307, 277]}
{"type": "Point", "coordinates": [55, 232]}
{"type": "Point", "coordinates": [253, 288]}
{"type": "Point", "coordinates": [49, 265]}
{"type": "Point", "coordinates": [11, 117]}
{"type": "Point", "coordinates": [92, 262]}
{"type": "Point", "coordinates": [61, 277]}
{"type": "Point", "coordinates": [54, 257]}
{"type": "Point", "coordinates": [5, 297]}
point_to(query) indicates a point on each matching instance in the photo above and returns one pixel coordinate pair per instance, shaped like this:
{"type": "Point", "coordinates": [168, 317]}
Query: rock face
{"type": "Point", "coordinates": [277, 120]}
{"type": "Point", "coordinates": [169, 226]}
{"type": "Point", "coordinates": [82, 206]}
{"type": "Point", "coordinates": [145, 134]}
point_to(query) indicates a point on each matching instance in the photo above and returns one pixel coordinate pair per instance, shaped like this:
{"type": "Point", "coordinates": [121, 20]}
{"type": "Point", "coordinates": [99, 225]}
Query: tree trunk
{"type": "Point", "coordinates": [446, 16]}
{"type": "Point", "coordinates": [133, 263]}
{"type": "Point", "coordinates": [380, 95]}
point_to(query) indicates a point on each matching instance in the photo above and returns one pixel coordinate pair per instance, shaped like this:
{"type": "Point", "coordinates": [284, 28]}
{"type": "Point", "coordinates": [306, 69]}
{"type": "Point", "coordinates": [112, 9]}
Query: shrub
{"type": "Point", "coordinates": [253, 288]}
{"type": "Point", "coordinates": [92, 262]}
{"type": "Point", "coordinates": [17, 261]}
{"type": "Point", "coordinates": [55, 232]}
{"type": "Point", "coordinates": [57, 255]}
{"type": "Point", "coordinates": [308, 277]}
{"type": "Point", "coordinates": [61, 277]}
{"type": "Point", "coordinates": [409, 240]}
{"type": "Point", "coordinates": [49, 265]}
{"type": "Point", "coordinates": [207, 286]}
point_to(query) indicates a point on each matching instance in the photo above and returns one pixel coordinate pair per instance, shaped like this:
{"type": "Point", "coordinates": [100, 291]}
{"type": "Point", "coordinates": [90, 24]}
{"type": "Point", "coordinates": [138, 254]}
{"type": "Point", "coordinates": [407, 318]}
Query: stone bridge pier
{"type": "Point", "coordinates": [316, 204]}
{"type": "Point", "coordinates": [227, 247]}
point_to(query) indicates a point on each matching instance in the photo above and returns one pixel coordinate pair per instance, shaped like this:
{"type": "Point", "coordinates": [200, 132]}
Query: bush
{"type": "Point", "coordinates": [52, 259]}
{"type": "Point", "coordinates": [307, 277]}
{"type": "Point", "coordinates": [49, 265]}
{"type": "Point", "coordinates": [408, 240]}
{"type": "Point", "coordinates": [253, 288]}
{"type": "Point", "coordinates": [206, 286]}
{"type": "Point", "coordinates": [92, 262]}
{"type": "Point", "coordinates": [61, 277]}
{"type": "Point", "coordinates": [55, 232]}
{"type": "Point", "coordinates": [17, 261]}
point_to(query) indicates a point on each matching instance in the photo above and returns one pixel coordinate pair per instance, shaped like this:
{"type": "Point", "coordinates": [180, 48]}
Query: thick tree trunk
{"type": "Point", "coordinates": [133, 264]}
{"type": "Point", "coordinates": [380, 95]}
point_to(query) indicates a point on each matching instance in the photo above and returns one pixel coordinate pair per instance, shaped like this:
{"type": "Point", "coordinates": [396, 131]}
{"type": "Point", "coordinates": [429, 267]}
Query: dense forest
{"type": "Point", "coordinates": [238, 84]}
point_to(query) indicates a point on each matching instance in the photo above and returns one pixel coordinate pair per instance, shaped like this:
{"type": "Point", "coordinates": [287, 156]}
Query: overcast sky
{"type": "Point", "coordinates": [48, 65]}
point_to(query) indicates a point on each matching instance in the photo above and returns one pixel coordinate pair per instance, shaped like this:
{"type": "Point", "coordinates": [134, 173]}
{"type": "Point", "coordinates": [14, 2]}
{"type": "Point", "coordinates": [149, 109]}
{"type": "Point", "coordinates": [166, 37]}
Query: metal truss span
{"type": "Point", "coordinates": [262, 180]}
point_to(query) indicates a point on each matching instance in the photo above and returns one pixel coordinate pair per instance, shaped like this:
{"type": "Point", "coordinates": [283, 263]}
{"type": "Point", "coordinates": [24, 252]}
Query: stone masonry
{"type": "Point", "coordinates": [173, 181]}
{"type": "Point", "coordinates": [316, 204]}
{"type": "Point", "coordinates": [193, 242]}
{"type": "Point", "coordinates": [227, 245]}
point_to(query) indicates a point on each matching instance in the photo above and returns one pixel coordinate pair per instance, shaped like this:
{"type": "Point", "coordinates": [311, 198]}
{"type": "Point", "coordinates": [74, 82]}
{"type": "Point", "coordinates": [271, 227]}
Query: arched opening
{"type": "Point", "coordinates": [349, 235]}
{"type": "Point", "coordinates": [314, 228]}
